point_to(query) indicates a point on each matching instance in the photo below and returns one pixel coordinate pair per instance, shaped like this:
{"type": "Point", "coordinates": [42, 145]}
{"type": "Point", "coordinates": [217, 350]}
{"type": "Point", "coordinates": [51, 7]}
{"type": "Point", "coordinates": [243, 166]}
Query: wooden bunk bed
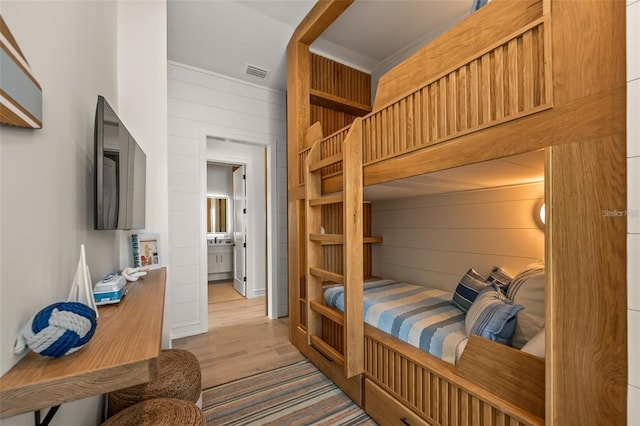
{"type": "Point", "coordinates": [514, 77]}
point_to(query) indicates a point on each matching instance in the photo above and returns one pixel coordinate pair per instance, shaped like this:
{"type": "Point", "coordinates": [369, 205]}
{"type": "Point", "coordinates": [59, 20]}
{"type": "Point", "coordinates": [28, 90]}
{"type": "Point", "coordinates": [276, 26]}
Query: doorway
{"type": "Point", "coordinates": [226, 225]}
{"type": "Point", "coordinates": [256, 279]}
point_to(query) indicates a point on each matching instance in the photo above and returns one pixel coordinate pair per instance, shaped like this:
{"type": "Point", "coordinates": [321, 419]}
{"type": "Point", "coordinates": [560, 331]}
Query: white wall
{"type": "Point", "coordinates": [205, 104]}
{"type": "Point", "coordinates": [142, 94]}
{"type": "Point", "coordinates": [219, 180]}
{"type": "Point", "coordinates": [433, 240]}
{"type": "Point", "coordinates": [46, 176]}
{"type": "Point", "coordinates": [633, 206]}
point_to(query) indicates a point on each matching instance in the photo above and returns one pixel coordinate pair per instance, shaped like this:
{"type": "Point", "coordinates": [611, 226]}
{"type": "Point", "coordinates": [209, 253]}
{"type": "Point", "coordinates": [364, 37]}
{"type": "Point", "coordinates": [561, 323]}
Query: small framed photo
{"type": "Point", "coordinates": [146, 250]}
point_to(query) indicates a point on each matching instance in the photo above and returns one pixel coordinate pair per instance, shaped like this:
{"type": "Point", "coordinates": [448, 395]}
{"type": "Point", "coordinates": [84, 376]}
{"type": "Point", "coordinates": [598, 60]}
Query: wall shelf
{"type": "Point", "coordinates": [123, 352]}
{"type": "Point", "coordinates": [324, 99]}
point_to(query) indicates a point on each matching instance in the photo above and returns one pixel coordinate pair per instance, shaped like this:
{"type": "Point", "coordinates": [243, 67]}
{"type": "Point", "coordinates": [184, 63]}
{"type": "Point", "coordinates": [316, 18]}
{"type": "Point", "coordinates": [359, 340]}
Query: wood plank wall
{"type": "Point", "coordinates": [342, 84]}
{"type": "Point", "coordinates": [333, 224]}
{"type": "Point", "coordinates": [340, 80]}
{"type": "Point", "coordinates": [434, 239]}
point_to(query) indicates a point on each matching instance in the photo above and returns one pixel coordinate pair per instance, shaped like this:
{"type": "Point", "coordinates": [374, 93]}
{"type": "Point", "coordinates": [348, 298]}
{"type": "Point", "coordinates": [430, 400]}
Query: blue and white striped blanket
{"type": "Point", "coordinates": [420, 316]}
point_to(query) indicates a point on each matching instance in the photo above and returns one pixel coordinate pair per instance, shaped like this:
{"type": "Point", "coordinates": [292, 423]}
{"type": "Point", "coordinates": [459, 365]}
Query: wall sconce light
{"type": "Point", "coordinates": [539, 215]}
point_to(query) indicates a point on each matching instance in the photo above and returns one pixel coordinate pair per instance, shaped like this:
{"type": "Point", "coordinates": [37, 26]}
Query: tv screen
{"type": "Point", "coordinates": [120, 166]}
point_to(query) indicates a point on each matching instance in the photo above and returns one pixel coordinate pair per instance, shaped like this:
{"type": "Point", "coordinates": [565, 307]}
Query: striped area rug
{"type": "Point", "coordinates": [297, 394]}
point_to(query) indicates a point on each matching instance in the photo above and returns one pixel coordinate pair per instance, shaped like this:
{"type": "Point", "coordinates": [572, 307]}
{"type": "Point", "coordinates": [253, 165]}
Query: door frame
{"type": "Point", "coordinates": [225, 134]}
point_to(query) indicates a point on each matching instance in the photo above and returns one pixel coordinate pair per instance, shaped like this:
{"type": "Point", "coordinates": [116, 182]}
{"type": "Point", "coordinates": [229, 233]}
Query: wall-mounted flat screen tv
{"type": "Point", "coordinates": [120, 166]}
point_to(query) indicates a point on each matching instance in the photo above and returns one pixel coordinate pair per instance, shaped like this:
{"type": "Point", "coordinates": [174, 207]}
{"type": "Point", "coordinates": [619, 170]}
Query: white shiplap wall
{"type": "Point", "coordinates": [198, 102]}
{"type": "Point", "coordinates": [434, 239]}
{"type": "Point", "coordinates": [633, 206]}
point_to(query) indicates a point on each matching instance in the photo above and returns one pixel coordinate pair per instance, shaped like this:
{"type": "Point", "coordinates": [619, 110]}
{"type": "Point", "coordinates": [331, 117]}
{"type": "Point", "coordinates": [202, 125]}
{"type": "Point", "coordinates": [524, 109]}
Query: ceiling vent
{"type": "Point", "coordinates": [255, 71]}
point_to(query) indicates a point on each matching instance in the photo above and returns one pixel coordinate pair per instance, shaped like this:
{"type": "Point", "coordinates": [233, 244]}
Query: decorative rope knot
{"type": "Point", "coordinates": [57, 330]}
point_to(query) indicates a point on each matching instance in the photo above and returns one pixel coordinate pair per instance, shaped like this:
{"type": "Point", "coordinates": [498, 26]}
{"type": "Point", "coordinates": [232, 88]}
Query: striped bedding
{"type": "Point", "coordinates": [420, 316]}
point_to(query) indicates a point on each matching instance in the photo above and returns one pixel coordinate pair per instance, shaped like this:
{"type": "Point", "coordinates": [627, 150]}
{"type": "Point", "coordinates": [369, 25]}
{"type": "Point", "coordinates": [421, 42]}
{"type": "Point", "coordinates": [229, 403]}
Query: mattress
{"type": "Point", "coordinates": [421, 316]}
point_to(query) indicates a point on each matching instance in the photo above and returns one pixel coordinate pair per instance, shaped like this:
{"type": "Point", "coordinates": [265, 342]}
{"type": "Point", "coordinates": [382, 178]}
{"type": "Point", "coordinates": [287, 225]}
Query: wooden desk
{"type": "Point", "coordinates": [123, 352]}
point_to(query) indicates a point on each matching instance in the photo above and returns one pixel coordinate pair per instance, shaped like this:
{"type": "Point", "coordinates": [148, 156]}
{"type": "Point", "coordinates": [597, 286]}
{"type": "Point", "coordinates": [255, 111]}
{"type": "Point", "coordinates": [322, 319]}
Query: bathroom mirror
{"type": "Point", "coordinates": [217, 213]}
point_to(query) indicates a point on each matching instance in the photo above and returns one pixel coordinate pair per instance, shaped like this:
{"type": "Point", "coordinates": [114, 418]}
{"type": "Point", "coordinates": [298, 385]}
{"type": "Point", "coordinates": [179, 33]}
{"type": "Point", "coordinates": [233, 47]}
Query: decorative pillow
{"type": "Point", "coordinates": [527, 289]}
{"type": "Point", "coordinates": [535, 345]}
{"type": "Point", "coordinates": [492, 316]}
{"type": "Point", "coordinates": [467, 290]}
{"type": "Point", "coordinates": [528, 271]}
{"type": "Point", "coordinates": [500, 277]}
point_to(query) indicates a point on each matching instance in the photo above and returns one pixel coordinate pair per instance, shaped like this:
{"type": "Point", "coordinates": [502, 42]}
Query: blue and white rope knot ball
{"type": "Point", "coordinates": [57, 330]}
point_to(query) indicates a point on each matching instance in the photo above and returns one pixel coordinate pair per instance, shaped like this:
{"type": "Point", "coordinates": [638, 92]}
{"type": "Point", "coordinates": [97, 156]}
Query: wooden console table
{"type": "Point", "coordinates": [123, 352]}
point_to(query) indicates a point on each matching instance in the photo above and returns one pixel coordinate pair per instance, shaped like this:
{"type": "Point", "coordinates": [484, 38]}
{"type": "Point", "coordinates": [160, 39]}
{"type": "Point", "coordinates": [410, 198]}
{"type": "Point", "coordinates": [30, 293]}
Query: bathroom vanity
{"type": "Point", "coordinates": [219, 259]}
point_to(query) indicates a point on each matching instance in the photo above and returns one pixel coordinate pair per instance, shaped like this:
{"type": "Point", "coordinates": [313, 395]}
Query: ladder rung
{"type": "Point", "coordinates": [327, 199]}
{"type": "Point", "coordinates": [327, 275]}
{"type": "Point", "coordinates": [372, 240]}
{"type": "Point", "coordinates": [325, 311]}
{"type": "Point", "coordinates": [317, 165]}
{"type": "Point", "coordinates": [327, 238]}
{"type": "Point", "coordinates": [324, 348]}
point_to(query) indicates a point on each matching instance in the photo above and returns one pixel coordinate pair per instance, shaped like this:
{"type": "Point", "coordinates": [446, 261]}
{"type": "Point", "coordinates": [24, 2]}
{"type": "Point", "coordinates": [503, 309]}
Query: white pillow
{"type": "Point", "coordinates": [460, 348]}
{"type": "Point", "coordinates": [535, 345]}
{"type": "Point", "coordinates": [527, 290]}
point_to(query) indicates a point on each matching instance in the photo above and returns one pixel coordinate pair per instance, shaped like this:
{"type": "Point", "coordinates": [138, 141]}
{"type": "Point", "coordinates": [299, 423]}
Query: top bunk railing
{"type": "Point", "coordinates": [329, 146]}
{"type": "Point", "coordinates": [506, 81]}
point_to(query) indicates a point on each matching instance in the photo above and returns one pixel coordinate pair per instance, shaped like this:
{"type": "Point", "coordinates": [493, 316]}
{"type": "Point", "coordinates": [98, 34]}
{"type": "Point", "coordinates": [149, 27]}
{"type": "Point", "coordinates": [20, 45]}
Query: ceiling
{"type": "Point", "coordinates": [224, 36]}
{"type": "Point", "coordinates": [514, 170]}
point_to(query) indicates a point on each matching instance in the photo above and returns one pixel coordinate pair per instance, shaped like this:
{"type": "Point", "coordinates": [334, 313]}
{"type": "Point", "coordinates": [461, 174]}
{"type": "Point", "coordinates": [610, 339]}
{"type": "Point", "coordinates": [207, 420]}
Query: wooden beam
{"type": "Point", "coordinates": [327, 275]}
{"type": "Point", "coordinates": [586, 289]}
{"type": "Point", "coordinates": [327, 239]}
{"type": "Point", "coordinates": [293, 269]}
{"type": "Point", "coordinates": [313, 218]}
{"type": "Point", "coordinates": [353, 253]}
{"type": "Point", "coordinates": [317, 165]}
{"type": "Point", "coordinates": [298, 108]}
{"type": "Point", "coordinates": [341, 104]}
{"type": "Point", "coordinates": [319, 18]}
{"type": "Point", "coordinates": [327, 199]}
{"type": "Point", "coordinates": [332, 314]}
{"type": "Point", "coordinates": [326, 350]}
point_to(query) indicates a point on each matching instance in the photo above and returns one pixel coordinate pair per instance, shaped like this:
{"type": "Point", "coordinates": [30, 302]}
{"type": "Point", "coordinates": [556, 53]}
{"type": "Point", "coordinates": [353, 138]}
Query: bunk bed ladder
{"type": "Point", "coordinates": [351, 196]}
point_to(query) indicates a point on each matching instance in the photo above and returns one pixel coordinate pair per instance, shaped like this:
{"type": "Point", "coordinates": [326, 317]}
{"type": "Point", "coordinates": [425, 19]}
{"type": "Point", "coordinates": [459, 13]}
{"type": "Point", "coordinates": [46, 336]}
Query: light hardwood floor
{"type": "Point", "coordinates": [241, 340]}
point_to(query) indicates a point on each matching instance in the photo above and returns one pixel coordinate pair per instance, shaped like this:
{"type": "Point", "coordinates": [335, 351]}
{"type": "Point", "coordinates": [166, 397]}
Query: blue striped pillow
{"type": "Point", "coordinates": [467, 290]}
{"type": "Point", "coordinates": [492, 316]}
{"type": "Point", "coordinates": [500, 277]}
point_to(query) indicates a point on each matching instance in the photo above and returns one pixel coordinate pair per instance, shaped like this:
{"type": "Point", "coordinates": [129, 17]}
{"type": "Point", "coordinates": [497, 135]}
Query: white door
{"type": "Point", "coordinates": [239, 231]}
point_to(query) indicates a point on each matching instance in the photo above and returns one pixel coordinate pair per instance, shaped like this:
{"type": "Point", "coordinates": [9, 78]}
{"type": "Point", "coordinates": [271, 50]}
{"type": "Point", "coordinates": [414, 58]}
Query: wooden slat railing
{"type": "Point", "coordinates": [433, 388]}
{"type": "Point", "coordinates": [509, 80]}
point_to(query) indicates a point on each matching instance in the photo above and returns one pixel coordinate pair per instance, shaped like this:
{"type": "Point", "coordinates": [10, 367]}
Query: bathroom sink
{"type": "Point", "coordinates": [219, 242]}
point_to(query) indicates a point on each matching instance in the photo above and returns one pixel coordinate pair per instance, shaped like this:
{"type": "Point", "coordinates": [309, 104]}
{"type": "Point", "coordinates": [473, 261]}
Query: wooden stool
{"type": "Point", "coordinates": [159, 412]}
{"type": "Point", "coordinates": [178, 377]}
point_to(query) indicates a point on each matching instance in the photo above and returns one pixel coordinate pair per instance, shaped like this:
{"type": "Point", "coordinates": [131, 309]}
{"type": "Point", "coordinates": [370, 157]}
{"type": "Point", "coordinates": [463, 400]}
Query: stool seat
{"type": "Point", "coordinates": [159, 412]}
{"type": "Point", "coordinates": [178, 377]}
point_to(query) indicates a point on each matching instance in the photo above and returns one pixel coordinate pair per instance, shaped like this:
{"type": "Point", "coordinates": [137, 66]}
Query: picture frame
{"type": "Point", "coordinates": [146, 251]}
